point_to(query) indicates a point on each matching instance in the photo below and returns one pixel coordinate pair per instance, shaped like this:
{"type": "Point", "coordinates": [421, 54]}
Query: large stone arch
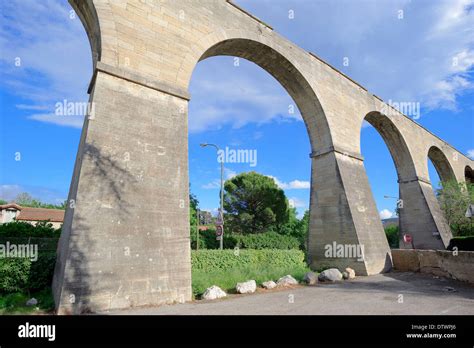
{"type": "Point", "coordinates": [125, 240]}
{"type": "Point", "coordinates": [395, 142]}
{"type": "Point", "coordinates": [88, 15]}
{"type": "Point", "coordinates": [416, 202]}
{"type": "Point", "coordinates": [286, 73]}
{"type": "Point", "coordinates": [441, 164]}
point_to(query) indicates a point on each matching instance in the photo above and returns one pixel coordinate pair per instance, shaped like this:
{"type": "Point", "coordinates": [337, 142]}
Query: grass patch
{"type": "Point", "coordinates": [227, 280]}
{"type": "Point", "coordinates": [226, 268]}
{"type": "Point", "coordinates": [15, 303]}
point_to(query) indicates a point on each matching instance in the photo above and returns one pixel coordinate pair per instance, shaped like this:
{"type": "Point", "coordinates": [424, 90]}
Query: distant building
{"type": "Point", "coordinates": [14, 212]}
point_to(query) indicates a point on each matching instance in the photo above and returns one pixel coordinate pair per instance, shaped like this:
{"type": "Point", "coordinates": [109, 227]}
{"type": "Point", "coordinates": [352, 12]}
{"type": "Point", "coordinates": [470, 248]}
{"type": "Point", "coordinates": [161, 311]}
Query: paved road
{"type": "Point", "coordinates": [379, 294]}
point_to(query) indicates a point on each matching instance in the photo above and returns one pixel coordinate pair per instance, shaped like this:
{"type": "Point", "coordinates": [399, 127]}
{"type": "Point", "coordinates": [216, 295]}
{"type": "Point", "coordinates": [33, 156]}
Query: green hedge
{"type": "Point", "coordinates": [209, 260]}
{"type": "Point", "coordinates": [267, 240]}
{"type": "Point", "coordinates": [462, 243]}
{"type": "Point", "coordinates": [393, 236]}
{"type": "Point", "coordinates": [23, 229]}
{"type": "Point", "coordinates": [22, 274]}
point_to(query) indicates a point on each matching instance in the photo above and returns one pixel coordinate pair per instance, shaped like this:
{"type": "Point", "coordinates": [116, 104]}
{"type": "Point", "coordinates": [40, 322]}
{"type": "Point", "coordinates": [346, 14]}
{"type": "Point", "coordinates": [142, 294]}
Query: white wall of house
{"type": "Point", "coordinates": [8, 215]}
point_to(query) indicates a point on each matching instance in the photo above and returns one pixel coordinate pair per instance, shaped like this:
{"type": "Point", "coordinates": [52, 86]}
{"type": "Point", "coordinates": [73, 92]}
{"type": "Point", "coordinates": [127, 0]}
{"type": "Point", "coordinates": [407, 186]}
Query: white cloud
{"type": "Point", "coordinates": [9, 192]}
{"type": "Point", "coordinates": [386, 214]}
{"type": "Point", "coordinates": [223, 94]}
{"type": "Point", "coordinates": [297, 203]}
{"type": "Point", "coordinates": [229, 173]}
{"type": "Point", "coordinates": [470, 153]}
{"type": "Point", "coordinates": [425, 57]}
{"type": "Point", "coordinates": [32, 107]}
{"type": "Point", "coordinates": [66, 121]}
{"type": "Point", "coordinates": [214, 184]}
{"type": "Point", "coordinates": [298, 184]}
{"type": "Point", "coordinates": [54, 53]}
{"type": "Point", "coordinates": [292, 185]}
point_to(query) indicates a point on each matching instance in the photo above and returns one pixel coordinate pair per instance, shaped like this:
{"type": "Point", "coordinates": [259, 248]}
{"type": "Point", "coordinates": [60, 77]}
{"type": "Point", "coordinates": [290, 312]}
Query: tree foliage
{"type": "Point", "coordinates": [26, 200]}
{"type": "Point", "coordinates": [193, 207]}
{"type": "Point", "coordinates": [298, 228]}
{"type": "Point", "coordinates": [454, 199]}
{"type": "Point", "coordinates": [254, 204]}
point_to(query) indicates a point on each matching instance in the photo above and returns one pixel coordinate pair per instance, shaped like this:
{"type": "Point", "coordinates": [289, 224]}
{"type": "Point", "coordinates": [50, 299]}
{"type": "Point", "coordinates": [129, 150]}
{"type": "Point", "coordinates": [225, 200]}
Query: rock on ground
{"type": "Point", "coordinates": [351, 273]}
{"type": "Point", "coordinates": [214, 292]}
{"type": "Point", "coordinates": [330, 275]}
{"type": "Point", "coordinates": [269, 284]}
{"type": "Point", "coordinates": [246, 287]}
{"type": "Point", "coordinates": [310, 278]}
{"type": "Point", "coordinates": [32, 302]}
{"type": "Point", "coordinates": [287, 281]}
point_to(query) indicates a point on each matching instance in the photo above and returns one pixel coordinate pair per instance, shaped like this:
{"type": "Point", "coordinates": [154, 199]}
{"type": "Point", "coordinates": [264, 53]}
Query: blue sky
{"type": "Point", "coordinates": [421, 51]}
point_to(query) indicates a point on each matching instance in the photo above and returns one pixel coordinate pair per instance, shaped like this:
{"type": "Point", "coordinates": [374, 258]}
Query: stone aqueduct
{"type": "Point", "coordinates": [125, 242]}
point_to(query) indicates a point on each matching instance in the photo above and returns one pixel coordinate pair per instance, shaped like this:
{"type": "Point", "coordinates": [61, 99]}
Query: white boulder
{"type": "Point", "coordinates": [269, 284]}
{"type": "Point", "coordinates": [32, 302]}
{"type": "Point", "coordinates": [351, 273]}
{"type": "Point", "coordinates": [310, 278]}
{"type": "Point", "coordinates": [287, 280]}
{"type": "Point", "coordinates": [330, 275]}
{"type": "Point", "coordinates": [214, 292]}
{"type": "Point", "coordinates": [246, 287]}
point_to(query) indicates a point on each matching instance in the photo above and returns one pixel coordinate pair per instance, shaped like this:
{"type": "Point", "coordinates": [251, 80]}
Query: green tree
{"type": "Point", "coordinates": [2, 201]}
{"type": "Point", "coordinates": [26, 200]}
{"type": "Point", "coordinates": [193, 207]}
{"type": "Point", "coordinates": [295, 227]}
{"type": "Point", "coordinates": [454, 198]}
{"type": "Point", "coordinates": [254, 204]}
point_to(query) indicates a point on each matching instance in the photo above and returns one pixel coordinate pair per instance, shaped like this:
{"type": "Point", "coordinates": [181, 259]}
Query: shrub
{"type": "Point", "coordinates": [15, 303]}
{"type": "Point", "coordinates": [268, 240]}
{"type": "Point", "coordinates": [24, 229]}
{"type": "Point", "coordinates": [462, 243]}
{"type": "Point", "coordinates": [210, 260]}
{"type": "Point", "coordinates": [454, 198]}
{"type": "Point", "coordinates": [42, 271]}
{"type": "Point", "coordinates": [22, 274]}
{"type": "Point", "coordinates": [393, 237]}
{"type": "Point", "coordinates": [207, 239]}
{"type": "Point", "coordinates": [14, 274]}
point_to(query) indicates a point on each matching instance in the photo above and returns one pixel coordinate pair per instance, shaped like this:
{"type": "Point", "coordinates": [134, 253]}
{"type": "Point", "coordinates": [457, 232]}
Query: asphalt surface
{"type": "Point", "coordinates": [392, 293]}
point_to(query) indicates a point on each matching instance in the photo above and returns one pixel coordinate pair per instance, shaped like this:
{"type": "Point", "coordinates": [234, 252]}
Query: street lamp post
{"type": "Point", "coordinates": [221, 210]}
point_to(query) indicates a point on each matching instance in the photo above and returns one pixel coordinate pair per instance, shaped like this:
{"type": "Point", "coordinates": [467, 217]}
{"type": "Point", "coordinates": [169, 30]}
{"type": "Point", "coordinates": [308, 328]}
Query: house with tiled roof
{"type": "Point", "coordinates": [14, 212]}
